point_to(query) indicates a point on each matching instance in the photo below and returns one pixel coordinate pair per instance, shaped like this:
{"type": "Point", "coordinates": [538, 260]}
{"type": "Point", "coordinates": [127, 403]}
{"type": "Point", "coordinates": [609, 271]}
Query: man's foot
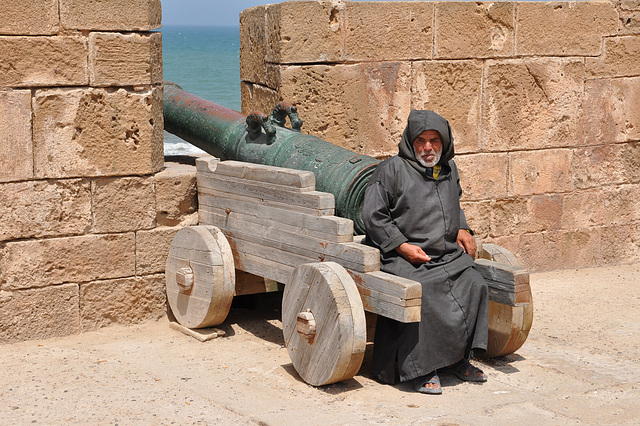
{"type": "Point", "coordinates": [429, 384]}
{"type": "Point", "coordinates": [463, 370]}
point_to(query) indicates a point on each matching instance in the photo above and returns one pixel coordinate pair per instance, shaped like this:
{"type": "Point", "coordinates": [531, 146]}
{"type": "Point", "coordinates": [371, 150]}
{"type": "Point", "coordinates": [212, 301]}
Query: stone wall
{"type": "Point", "coordinates": [87, 209]}
{"type": "Point", "coordinates": [543, 98]}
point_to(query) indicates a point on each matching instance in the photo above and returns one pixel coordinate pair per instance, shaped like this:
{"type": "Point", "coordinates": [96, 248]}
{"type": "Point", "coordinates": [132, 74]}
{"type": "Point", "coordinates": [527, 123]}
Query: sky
{"type": "Point", "coordinates": [207, 12]}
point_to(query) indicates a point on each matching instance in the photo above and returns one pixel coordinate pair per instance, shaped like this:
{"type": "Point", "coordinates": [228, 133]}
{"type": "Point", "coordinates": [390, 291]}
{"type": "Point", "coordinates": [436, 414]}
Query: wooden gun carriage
{"type": "Point", "coordinates": [271, 222]}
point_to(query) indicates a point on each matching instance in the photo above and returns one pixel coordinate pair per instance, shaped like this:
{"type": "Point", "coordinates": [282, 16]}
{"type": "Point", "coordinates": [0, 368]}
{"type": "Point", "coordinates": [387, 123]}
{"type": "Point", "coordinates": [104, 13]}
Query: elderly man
{"type": "Point", "coordinates": [412, 215]}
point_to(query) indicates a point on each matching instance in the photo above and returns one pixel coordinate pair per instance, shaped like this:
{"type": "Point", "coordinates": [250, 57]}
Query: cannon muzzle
{"type": "Point", "coordinates": [262, 139]}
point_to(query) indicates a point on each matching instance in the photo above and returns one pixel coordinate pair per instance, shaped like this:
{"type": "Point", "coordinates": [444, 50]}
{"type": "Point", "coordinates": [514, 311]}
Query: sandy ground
{"type": "Point", "coordinates": [581, 364]}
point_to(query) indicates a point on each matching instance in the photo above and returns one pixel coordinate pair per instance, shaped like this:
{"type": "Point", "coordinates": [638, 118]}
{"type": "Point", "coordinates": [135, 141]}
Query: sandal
{"type": "Point", "coordinates": [421, 384]}
{"type": "Point", "coordinates": [463, 370]}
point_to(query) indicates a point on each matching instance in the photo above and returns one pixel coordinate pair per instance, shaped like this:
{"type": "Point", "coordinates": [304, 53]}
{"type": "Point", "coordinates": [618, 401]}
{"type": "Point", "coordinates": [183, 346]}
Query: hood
{"type": "Point", "coordinates": [418, 122]}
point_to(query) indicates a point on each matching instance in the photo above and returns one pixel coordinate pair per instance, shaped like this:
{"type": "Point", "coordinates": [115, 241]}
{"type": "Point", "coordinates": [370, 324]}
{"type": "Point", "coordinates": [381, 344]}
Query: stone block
{"type": "Point", "coordinates": [564, 28]}
{"type": "Point", "coordinates": [508, 217]}
{"type": "Point", "coordinates": [253, 45]}
{"type": "Point", "coordinates": [529, 249]}
{"type": "Point", "coordinates": [97, 132]}
{"type": "Point", "coordinates": [572, 249]}
{"type": "Point", "coordinates": [123, 301]}
{"type": "Point", "coordinates": [152, 249]}
{"type": "Point", "coordinates": [16, 146]}
{"type": "Point", "coordinates": [621, 58]}
{"type": "Point", "coordinates": [629, 22]}
{"type": "Point", "coordinates": [39, 313]}
{"type": "Point", "coordinates": [620, 244]}
{"type": "Point", "coordinates": [258, 98]}
{"type": "Point", "coordinates": [532, 103]}
{"type": "Point", "coordinates": [545, 213]}
{"type": "Point", "coordinates": [176, 195]}
{"type": "Point", "coordinates": [388, 31]}
{"type": "Point", "coordinates": [630, 161]}
{"type": "Point", "coordinates": [478, 214]}
{"type": "Point", "coordinates": [111, 15]}
{"type": "Point", "coordinates": [44, 208]}
{"type": "Point", "coordinates": [601, 207]}
{"type": "Point", "coordinates": [33, 17]}
{"type": "Point", "coordinates": [453, 90]}
{"type": "Point", "coordinates": [540, 172]}
{"type": "Point", "coordinates": [361, 107]}
{"type": "Point", "coordinates": [123, 204]}
{"type": "Point", "coordinates": [474, 30]}
{"type": "Point", "coordinates": [611, 110]}
{"type": "Point", "coordinates": [125, 59]}
{"type": "Point", "coordinates": [517, 216]}
{"type": "Point", "coordinates": [595, 166]}
{"type": "Point", "coordinates": [39, 263]}
{"type": "Point", "coordinates": [483, 176]}
{"type": "Point", "coordinates": [305, 31]}
{"type": "Point", "coordinates": [43, 61]}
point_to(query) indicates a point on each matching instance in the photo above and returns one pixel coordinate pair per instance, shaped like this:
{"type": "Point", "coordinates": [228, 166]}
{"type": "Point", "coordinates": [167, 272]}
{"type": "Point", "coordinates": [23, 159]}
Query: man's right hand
{"type": "Point", "coordinates": [412, 253]}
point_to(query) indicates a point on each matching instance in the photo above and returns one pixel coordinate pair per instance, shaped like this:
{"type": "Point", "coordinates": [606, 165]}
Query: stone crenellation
{"type": "Point", "coordinates": [87, 205]}
{"type": "Point", "coordinates": [543, 99]}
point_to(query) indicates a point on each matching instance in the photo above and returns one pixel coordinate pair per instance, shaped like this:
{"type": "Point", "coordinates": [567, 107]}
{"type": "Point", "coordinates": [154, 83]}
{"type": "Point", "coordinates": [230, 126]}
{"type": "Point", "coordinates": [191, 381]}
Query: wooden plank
{"type": "Point", "coordinates": [504, 281]}
{"type": "Point", "coordinates": [207, 164]}
{"type": "Point", "coordinates": [503, 273]}
{"type": "Point", "coordinates": [247, 283]}
{"type": "Point", "coordinates": [201, 334]}
{"type": "Point", "coordinates": [403, 314]}
{"type": "Point", "coordinates": [386, 283]}
{"type": "Point", "coordinates": [258, 265]}
{"type": "Point", "coordinates": [305, 197]}
{"type": "Point", "coordinates": [268, 234]}
{"type": "Point", "coordinates": [331, 228]}
{"type": "Point", "coordinates": [313, 211]}
{"type": "Point", "coordinates": [267, 174]}
{"type": "Point", "coordinates": [389, 299]}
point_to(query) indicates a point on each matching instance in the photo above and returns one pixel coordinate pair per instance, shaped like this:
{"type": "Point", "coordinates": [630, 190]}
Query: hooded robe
{"type": "Point", "coordinates": [404, 203]}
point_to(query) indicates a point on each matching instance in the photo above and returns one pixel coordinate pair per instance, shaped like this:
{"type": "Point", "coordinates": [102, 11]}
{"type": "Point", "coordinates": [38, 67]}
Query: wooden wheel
{"type": "Point", "coordinates": [508, 325]}
{"type": "Point", "coordinates": [323, 323]}
{"type": "Point", "coordinates": [200, 276]}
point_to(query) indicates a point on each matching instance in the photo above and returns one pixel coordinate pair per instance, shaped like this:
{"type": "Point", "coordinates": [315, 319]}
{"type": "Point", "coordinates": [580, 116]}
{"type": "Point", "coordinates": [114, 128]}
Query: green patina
{"type": "Point", "coordinates": [230, 135]}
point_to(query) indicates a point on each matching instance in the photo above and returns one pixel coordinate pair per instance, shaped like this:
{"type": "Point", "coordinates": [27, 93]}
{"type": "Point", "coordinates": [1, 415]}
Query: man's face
{"type": "Point", "coordinates": [428, 148]}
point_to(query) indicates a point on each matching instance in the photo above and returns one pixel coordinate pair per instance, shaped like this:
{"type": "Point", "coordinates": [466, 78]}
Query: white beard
{"type": "Point", "coordinates": [431, 163]}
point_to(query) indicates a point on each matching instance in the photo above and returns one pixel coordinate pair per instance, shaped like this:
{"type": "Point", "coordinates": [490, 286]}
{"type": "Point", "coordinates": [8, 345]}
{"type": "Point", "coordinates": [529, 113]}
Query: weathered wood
{"type": "Point", "coordinates": [330, 228]}
{"type": "Point", "coordinates": [384, 282]}
{"type": "Point", "coordinates": [201, 334]}
{"type": "Point", "coordinates": [204, 251]}
{"type": "Point", "coordinates": [509, 323]}
{"type": "Point", "coordinates": [258, 265]}
{"type": "Point", "coordinates": [304, 197]}
{"type": "Point", "coordinates": [313, 211]}
{"type": "Point", "coordinates": [505, 281]}
{"type": "Point", "coordinates": [271, 234]}
{"type": "Point", "coordinates": [336, 351]}
{"type": "Point", "coordinates": [247, 283]}
{"type": "Point", "coordinates": [267, 174]}
{"type": "Point", "coordinates": [498, 254]}
{"type": "Point", "coordinates": [382, 307]}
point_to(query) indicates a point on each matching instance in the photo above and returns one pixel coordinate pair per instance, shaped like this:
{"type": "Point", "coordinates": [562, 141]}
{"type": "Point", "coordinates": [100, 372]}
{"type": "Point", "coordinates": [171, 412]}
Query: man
{"type": "Point", "coordinates": [412, 215]}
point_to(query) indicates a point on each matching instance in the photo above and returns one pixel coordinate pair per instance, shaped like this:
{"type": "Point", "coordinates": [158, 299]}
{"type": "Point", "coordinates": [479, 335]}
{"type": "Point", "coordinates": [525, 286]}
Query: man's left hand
{"type": "Point", "coordinates": [467, 242]}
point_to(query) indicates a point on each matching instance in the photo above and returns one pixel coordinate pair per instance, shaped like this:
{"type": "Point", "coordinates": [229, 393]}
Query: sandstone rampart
{"type": "Point", "coordinates": [543, 98]}
{"type": "Point", "coordinates": [87, 206]}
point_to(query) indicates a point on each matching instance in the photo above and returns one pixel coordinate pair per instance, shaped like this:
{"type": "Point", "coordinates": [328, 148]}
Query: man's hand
{"type": "Point", "coordinates": [412, 253]}
{"type": "Point", "coordinates": [467, 242]}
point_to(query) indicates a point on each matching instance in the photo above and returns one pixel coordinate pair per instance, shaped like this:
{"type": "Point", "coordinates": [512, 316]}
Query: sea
{"type": "Point", "coordinates": [205, 61]}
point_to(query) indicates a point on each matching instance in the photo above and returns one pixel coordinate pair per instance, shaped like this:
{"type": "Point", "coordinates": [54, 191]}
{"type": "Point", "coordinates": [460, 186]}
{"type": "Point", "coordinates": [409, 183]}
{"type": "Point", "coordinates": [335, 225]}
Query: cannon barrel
{"type": "Point", "coordinates": [230, 135]}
